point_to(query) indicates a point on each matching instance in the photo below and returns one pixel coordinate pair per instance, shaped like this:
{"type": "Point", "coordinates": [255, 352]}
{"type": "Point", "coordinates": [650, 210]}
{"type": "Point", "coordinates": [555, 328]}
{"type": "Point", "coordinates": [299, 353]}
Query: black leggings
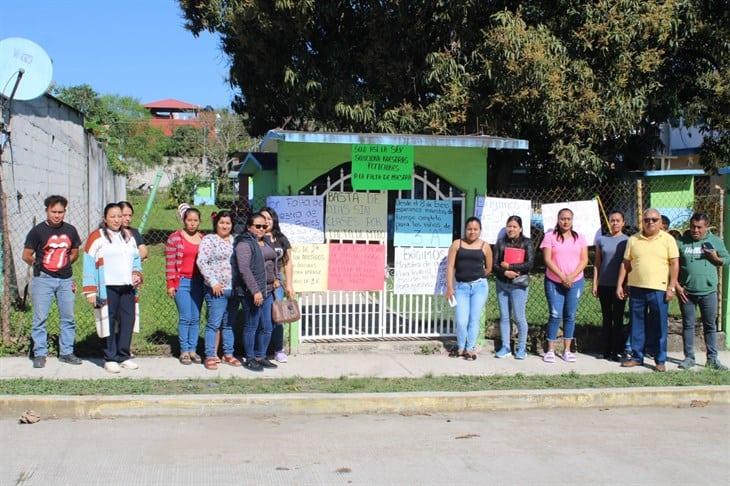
{"type": "Point", "coordinates": [120, 303]}
{"type": "Point", "coordinates": [614, 331]}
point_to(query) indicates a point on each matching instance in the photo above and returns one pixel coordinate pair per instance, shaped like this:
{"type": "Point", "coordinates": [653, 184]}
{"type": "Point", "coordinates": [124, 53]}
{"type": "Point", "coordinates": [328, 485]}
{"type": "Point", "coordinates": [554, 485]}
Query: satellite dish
{"type": "Point", "coordinates": [25, 64]}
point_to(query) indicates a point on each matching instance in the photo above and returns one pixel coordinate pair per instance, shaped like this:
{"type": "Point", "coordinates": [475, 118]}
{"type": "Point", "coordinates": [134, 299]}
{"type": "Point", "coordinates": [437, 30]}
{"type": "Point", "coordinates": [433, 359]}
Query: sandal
{"type": "Point", "coordinates": [456, 353]}
{"type": "Point", "coordinates": [217, 359]}
{"type": "Point", "coordinates": [195, 358]}
{"type": "Point", "coordinates": [210, 364]}
{"type": "Point", "coordinates": [231, 360]}
{"type": "Point", "coordinates": [185, 359]}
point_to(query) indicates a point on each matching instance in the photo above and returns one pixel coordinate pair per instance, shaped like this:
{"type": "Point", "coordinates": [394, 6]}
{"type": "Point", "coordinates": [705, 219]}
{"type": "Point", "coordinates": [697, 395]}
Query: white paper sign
{"type": "Point", "coordinates": [357, 216]}
{"type": "Point", "coordinates": [301, 218]}
{"type": "Point", "coordinates": [586, 218]}
{"type": "Point", "coordinates": [494, 211]}
{"type": "Point", "coordinates": [420, 270]}
{"type": "Point", "coordinates": [421, 222]}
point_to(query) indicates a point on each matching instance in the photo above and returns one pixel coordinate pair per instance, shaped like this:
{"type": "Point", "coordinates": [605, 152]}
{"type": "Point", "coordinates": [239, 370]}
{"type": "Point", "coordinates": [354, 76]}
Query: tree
{"type": "Point", "coordinates": [587, 83]}
{"type": "Point", "coordinates": [186, 141]}
{"type": "Point", "coordinates": [120, 123]}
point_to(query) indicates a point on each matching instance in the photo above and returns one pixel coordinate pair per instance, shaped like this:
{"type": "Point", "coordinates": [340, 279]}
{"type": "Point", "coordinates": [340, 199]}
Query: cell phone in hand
{"type": "Point", "coordinates": [707, 246]}
{"type": "Point", "coordinates": [452, 301]}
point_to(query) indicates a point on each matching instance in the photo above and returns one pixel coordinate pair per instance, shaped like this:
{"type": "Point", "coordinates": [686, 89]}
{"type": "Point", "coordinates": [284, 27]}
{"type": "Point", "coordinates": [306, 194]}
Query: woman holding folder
{"type": "Point", "coordinates": [513, 257]}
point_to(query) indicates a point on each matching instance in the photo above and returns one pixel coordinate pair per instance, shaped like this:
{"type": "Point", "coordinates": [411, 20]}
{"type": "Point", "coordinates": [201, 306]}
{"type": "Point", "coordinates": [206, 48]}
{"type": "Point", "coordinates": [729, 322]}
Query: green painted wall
{"type": "Point", "coordinates": [264, 184]}
{"type": "Point", "coordinates": [672, 191]}
{"type": "Point", "coordinates": [301, 163]}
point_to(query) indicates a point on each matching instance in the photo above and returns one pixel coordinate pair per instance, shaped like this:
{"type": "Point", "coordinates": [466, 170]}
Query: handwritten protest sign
{"type": "Point", "coordinates": [356, 267]}
{"type": "Point", "coordinates": [494, 211]}
{"type": "Point", "coordinates": [586, 219]}
{"type": "Point", "coordinates": [382, 166]}
{"type": "Point", "coordinates": [356, 216]}
{"type": "Point", "coordinates": [420, 222]}
{"type": "Point", "coordinates": [420, 270]}
{"type": "Point", "coordinates": [310, 274]}
{"type": "Point", "coordinates": [301, 217]}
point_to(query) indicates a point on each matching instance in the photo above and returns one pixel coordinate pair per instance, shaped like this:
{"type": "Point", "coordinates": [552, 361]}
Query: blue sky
{"type": "Point", "coordinates": [134, 48]}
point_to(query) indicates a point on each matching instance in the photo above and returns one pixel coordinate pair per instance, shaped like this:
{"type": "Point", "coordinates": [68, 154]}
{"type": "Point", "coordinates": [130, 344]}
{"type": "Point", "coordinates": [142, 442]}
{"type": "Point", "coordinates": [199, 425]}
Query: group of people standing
{"type": "Point", "coordinates": [650, 268]}
{"type": "Point", "coordinates": [227, 272]}
{"type": "Point", "coordinates": [255, 267]}
{"type": "Point", "coordinates": [249, 270]}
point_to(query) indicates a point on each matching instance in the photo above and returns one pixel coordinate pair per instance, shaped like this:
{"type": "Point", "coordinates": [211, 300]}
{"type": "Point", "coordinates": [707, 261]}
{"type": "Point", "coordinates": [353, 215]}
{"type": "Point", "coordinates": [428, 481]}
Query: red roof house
{"type": "Point", "coordinates": [170, 114]}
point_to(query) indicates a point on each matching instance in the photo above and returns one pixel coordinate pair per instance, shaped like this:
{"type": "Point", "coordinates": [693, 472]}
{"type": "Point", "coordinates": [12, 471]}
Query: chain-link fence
{"type": "Point", "coordinates": [158, 335]}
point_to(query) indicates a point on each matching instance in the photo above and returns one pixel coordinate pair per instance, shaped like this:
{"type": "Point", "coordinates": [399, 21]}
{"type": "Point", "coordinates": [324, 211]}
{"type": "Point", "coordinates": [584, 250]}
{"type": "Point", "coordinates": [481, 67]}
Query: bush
{"type": "Point", "coordinates": [183, 187]}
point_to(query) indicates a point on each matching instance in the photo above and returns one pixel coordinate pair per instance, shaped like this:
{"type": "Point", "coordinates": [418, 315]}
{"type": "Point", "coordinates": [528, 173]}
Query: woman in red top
{"type": "Point", "coordinates": [184, 282]}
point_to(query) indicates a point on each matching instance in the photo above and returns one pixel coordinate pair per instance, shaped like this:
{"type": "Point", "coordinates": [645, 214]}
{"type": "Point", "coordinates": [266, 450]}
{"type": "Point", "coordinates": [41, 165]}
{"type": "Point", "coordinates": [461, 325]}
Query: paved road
{"type": "Point", "coordinates": [622, 446]}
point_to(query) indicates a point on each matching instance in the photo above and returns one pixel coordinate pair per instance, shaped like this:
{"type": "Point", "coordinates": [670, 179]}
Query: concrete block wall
{"type": "Point", "coordinates": [50, 152]}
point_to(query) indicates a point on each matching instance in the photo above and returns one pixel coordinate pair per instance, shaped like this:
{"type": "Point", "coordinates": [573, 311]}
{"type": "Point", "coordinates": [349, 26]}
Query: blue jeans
{"type": "Point", "coordinates": [221, 315]}
{"type": "Point", "coordinates": [651, 323]}
{"type": "Point", "coordinates": [44, 289]}
{"type": "Point", "coordinates": [708, 311]}
{"type": "Point", "coordinates": [189, 300]}
{"type": "Point", "coordinates": [256, 327]}
{"type": "Point", "coordinates": [470, 300]}
{"type": "Point", "coordinates": [563, 304]}
{"type": "Point", "coordinates": [515, 295]}
{"type": "Point", "coordinates": [277, 331]}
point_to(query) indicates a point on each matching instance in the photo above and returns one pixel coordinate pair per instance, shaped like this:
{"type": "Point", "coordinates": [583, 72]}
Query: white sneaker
{"type": "Point", "coordinates": [129, 365]}
{"type": "Point", "coordinates": [112, 367]}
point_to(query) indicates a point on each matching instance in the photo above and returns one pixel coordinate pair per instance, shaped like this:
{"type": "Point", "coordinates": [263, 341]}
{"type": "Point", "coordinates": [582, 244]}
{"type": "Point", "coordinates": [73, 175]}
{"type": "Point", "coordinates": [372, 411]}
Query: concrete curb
{"type": "Point", "coordinates": [12, 406]}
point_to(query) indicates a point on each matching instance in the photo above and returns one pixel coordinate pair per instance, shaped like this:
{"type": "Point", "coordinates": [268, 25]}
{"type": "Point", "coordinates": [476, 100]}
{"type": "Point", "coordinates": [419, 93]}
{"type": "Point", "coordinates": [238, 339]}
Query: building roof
{"type": "Point", "coordinates": [171, 104]}
{"type": "Point", "coordinates": [269, 142]}
{"type": "Point", "coordinates": [677, 172]}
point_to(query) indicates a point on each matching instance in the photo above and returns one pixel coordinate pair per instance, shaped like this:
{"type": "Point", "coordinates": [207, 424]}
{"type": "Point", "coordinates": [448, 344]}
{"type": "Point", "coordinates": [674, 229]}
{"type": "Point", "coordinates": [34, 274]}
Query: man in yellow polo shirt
{"type": "Point", "coordinates": [651, 262]}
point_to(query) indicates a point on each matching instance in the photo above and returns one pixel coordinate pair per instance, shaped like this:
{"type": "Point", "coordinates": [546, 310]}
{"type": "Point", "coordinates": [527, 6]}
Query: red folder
{"type": "Point", "coordinates": [514, 255]}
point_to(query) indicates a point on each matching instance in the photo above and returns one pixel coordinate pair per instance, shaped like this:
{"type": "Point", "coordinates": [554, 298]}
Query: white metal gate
{"type": "Point", "coordinates": [356, 315]}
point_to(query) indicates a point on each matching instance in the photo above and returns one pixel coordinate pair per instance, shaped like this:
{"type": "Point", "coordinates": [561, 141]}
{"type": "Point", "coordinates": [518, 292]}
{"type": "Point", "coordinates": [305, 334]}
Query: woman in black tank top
{"type": "Point", "coordinates": [469, 264]}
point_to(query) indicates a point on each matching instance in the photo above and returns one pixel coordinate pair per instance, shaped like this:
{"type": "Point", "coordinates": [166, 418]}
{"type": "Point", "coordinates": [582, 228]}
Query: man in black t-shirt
{"type": "Point", "coordinates": [51, 247]}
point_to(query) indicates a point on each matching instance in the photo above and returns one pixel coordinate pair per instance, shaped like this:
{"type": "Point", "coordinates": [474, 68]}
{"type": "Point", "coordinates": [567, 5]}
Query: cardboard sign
{"type": "Point", "coordinates": [310, 267]}
{"type": "Point", "coordinates": [356, 267]}
{"type": "Point", "coordinates": [356, 216]}
{"type": "Point", "coordinates": [420, 222]}
{"type": "Point", "coordinates": [301, 218]}
{"type": "Point", "coordinates": [376, 167]}
{"type": "Point", "coordinates": [494, 211]}
{"type": "Point", "coordinates": [420, 270]}
{"type": "Point", "coordinates": [586, 219]}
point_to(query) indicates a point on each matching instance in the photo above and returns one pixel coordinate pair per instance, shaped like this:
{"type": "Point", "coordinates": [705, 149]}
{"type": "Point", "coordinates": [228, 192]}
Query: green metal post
{"type": "Point", "coordinates": [150, 201]}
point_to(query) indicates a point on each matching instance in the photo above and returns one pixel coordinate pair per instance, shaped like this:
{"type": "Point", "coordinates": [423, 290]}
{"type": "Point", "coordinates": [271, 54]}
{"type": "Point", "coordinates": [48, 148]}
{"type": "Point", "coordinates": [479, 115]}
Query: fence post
{"type": "Point", "coordinates": [725, 308]}
{"type": "Point", "coordinates": [150, 201]}
{"type": "Point", "coordinates": [639, 200]}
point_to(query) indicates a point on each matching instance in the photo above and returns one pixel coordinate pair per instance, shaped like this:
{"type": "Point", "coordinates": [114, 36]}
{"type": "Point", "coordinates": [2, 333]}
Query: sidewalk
{"type": "Point", "coordinates": [335, 365]}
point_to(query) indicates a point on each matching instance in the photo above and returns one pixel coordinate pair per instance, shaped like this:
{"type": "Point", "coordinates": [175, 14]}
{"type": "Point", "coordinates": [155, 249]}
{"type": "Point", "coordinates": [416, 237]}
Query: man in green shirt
{"type": "Point", "coordinates": [700, 255]}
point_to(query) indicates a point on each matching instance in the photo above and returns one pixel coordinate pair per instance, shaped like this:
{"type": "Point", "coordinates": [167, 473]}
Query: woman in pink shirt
{"type": "Point", "coordinates": [184, 283]}
{"type": "Point", "coordinates": [566, 255]}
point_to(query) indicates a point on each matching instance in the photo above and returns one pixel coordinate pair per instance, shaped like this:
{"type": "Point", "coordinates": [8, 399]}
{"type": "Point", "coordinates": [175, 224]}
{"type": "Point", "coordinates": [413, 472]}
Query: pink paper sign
{"type": "Point", "coordinates": [356, 267]}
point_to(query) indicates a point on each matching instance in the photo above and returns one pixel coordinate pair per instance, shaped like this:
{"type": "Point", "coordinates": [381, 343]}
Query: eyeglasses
{"type": "Point", "coordinates": [651, 220]}
{"type": "Point", "coordinates": [260, 226]}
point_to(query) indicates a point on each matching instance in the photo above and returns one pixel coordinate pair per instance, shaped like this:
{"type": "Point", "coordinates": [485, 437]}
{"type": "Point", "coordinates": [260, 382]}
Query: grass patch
{"type": "Point", "coordinates": [228, 386]}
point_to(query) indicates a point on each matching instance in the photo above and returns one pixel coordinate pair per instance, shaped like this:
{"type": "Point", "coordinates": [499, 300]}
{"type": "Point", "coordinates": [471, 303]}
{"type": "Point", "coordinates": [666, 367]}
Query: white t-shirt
{"type": "Point", "coordinates": [118, 259]}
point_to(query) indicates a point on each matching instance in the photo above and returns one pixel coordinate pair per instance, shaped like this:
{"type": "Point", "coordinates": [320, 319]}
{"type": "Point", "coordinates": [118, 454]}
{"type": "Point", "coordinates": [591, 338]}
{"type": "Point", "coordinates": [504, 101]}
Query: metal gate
{"type": "Point", "coordinates": [356, 315]}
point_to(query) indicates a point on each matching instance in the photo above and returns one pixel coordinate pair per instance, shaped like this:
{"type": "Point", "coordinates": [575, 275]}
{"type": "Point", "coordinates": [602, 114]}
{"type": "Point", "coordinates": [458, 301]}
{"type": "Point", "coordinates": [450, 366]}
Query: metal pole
{"type": "Point", "coordinates": [6, 266]}
{"type": "Point", "coordinates": [150, 201]}
{"type": "Point", "coordinates": [639, 200]}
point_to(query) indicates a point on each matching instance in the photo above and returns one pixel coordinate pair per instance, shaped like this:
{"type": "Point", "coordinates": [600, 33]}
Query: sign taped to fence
{"type": "Point", "coordinates": [586, 218]}
{"type": "Point", "coordinates": [377, 166]}
{"type": "Point", "coordinates": [311, 267]}
{"type": "Point", "coordinates": [354, 266]}
{"type": "Point", "coordinates": [494, 211]}
{"type": "Point", "coordinates": [421, 222]}
{"type": "Point", "coordinates": [420, 270]}
{"type": "Point", "coordinates": [356, 216]}
{"type": "Point", "coordinates": [301, 217]}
